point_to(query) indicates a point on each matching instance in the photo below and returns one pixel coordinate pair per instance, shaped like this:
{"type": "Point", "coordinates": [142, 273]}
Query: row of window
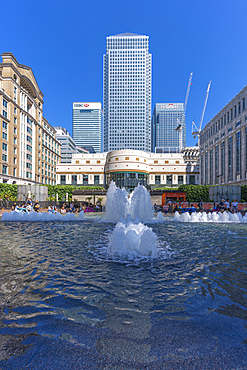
{"type": "Point", "coordinates": [218, 158]}
{"type": "Point", "coordinates": [227, 118]}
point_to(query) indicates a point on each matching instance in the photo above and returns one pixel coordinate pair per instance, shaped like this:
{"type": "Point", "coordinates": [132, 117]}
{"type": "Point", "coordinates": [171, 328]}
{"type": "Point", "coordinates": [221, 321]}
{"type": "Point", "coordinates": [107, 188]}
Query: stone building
{"type": "Point", "coordinates": [129, 167]}
{"type": "Point", "coordinates": [223, 145]}
{"type": "Point", "coordinates": [29, 150]}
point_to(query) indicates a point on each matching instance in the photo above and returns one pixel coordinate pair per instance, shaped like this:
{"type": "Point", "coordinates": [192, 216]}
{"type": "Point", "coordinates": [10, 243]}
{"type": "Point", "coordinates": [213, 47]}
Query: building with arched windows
{"type": "Point", "coordinates": [29, 150]}
{"type": "Point", "coordinates": [128, 168]}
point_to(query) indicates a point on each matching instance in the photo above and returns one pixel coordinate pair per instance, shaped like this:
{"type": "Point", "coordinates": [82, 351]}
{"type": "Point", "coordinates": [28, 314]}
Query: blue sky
{"type": "Point", "coordinates": [64, 42]}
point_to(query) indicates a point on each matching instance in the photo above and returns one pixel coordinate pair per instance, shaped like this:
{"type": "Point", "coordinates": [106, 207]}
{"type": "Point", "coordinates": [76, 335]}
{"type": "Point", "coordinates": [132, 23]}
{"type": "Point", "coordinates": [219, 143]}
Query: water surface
{"type": "Point", "coordinates": [66, 303]}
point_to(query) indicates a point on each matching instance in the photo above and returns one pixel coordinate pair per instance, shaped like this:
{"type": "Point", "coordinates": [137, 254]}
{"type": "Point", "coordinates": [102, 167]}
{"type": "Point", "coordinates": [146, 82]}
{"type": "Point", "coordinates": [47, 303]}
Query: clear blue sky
{"type": "Point", "coordinates": [64, 42]}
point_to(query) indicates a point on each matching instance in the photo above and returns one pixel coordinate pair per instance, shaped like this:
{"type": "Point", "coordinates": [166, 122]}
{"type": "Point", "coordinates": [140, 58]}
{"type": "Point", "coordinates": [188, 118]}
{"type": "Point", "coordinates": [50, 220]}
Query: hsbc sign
{"type": "Point", "coordinates": [80, 105]}
{"type": "Point", "coordinates": [87, 106]}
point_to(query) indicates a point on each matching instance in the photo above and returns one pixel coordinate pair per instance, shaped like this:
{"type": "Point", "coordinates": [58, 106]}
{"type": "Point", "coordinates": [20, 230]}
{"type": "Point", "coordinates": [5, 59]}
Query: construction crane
{"type": "Point", "coordinates": [196, 131]}
{"type": "Point", "coordinates": [180, 123]}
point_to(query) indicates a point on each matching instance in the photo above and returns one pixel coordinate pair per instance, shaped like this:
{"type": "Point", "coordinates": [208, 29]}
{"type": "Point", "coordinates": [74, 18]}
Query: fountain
{"type": "Point", "coordinates": [130, 238]}
{"type": "Point", "coordinates": [225, 217]}
{"type": "Point", "coordinates": [113, 293]}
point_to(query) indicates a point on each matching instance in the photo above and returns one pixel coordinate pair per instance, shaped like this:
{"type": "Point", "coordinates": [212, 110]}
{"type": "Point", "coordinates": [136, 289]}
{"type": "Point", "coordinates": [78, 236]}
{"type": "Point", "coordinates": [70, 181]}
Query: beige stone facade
{"type": "Point", "coordinates": [223, 145]}
{"type": "Point", "coordinates": [29, 150]}
{"type": "Point", "coordinates": [129, 167]}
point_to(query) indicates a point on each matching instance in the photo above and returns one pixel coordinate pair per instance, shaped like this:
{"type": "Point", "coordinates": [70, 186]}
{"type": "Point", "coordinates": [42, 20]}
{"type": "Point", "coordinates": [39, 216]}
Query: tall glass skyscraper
{"type": "Point", "coordinates": [127, 92]}
{"type": "Point", "coordinates": [166, 117]}
{"type": "Point", "coordinates": [88, 125]}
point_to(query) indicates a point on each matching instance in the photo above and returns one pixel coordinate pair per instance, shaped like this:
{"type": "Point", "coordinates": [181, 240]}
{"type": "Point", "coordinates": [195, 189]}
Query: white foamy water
{"type": "Point", "coordinates": [40, 217]}
{"type": "Point", "coordinates": [210, 217]}
{"type": "Point", "coordinates": [119, 204]}
{"type": "Point", "coordinates": [160, 216]}
{"type": "Point", "coordinates": [132, 240]}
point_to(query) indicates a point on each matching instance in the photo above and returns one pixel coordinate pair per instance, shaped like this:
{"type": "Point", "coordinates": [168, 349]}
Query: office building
{"type": "Point", "coordinates": [166, 117]}
{"type": "Point", "coordinates": [88, 125]}
{"type": "Point", "coordinates": [29, 149]}
{"type": "Point", "coordinates": [128, 168]}
{"type": "Point", "coordinates": [127, 92]}
{"type": "Point", "coordinates": [68, 146]}
{"type": "Point", "coordinates": [223, 145]}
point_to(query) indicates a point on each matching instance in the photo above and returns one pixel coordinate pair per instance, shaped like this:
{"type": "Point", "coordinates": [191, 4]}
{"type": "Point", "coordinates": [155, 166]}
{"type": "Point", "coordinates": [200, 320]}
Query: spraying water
{"type": "Point", "coordinates": [210, 217]}
{"type": "Point", "coordinates": [119, 204]}
{"type": "Point", "coordinates": [40, 217]}
{"type": "Point", "coordinates": [130, 238]}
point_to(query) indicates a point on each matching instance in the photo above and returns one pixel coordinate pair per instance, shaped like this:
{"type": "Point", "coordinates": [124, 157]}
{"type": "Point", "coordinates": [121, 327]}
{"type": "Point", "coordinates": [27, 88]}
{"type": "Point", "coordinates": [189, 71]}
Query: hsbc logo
{"type": "Point", "coordinates": [77, 105]}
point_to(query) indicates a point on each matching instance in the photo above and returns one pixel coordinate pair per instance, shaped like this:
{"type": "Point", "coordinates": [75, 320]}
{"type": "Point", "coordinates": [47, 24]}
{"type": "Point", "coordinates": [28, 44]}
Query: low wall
{"type": "Point", "coordinates": [217, 193]}
{"type": "Point", "coordinates": [35, 192]}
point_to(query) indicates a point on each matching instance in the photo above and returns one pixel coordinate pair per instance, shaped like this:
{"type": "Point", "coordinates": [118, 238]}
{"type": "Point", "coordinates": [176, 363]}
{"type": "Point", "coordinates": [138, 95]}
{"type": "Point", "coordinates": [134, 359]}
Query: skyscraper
{"type": "Point", "coordinates": [127, 92]}
{"type": "Point", "coordinates": [166, 117]}
{"type": "Point", "coordinates": [88, 125]}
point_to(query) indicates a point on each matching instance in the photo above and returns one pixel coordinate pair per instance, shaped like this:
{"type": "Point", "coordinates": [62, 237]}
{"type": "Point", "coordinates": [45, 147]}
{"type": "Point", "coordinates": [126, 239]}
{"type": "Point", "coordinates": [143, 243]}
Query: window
{"type": "Point", "coordinates": [239, 107]}
{"type": "Point", "coordinates": [192, 179]}
{"type": "Point", "coordinates": [85, 179]}
{"type": "Point", "coordinates": [15, 150]}
{"type": "Point", "coordinates": [29, 148]}
{"type": "Point", "coordinates": [166, 162]}
{"type": "Point", "coordinates": [5, 169]}
{"type": "Point", "coordinates": [206, 168]}
{"type": "Point", "coordinates": [96, 179]}
{"type": "Point", "coordinates": [15, 160]}
{"type": "Point", "coordinates": [5, 114]}
{"type": "Point", "coordinates": [235, 111]}
{"type": "Point", "coordinates": [169, 179]}
{"type": "Point", "coordinates": [5, 104]}
{"type": "Point", "coordinates": [74, 179]}
{"type": "Point", "coordinates": [4, 146]}
{"type": "Point", "coordinates": [238, 153]}
{"type": "Point", "coordinates": [137, 159]}
{"type": "Point", "coordinates": [14, 171]}
{"type": "Point", "coordinates": [5, 125]}
{"type": "Point", "coordinates": [222, 162]}
{"type": "Point", "coordinates": [230, 158]}
{"type": "Point", "coordinates": [77, 162]}
{"type": "Point", "coordinates": [157, 179]}
{"type": "Point", "coordinates": [116, 159]}
{"type": "Point", "coordinates": [211, 166]}
{"type": "Point", "coordinates": [180, 179]}
{"type": "Point", "coordinates": [98, 162]}
{"type": "Point", "coordinates": [4, 136]}
{"type": "Point", "coordinates": [127, 158]}
{"type": "Point", "coordinates": [216, 163]}
{"type": "Point", "coordinates": [4, 157]}
{"type": "Point", "coordinates": [243, 103]}
{"type": "Point", "coordinates": [29, 165]}
{"type": "Point", "coordinates": [155, 162]}
{"type": "Point", "coordinates": [87, 162]}
{"type": "Point", "coordinates": [15, 131]}
{"type": "Point", "coordinates": [177, 162]}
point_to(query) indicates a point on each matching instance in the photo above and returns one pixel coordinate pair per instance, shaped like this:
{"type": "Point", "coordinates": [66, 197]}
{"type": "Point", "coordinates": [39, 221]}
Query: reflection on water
{"type": "Point", "coordinates": [52, 272]}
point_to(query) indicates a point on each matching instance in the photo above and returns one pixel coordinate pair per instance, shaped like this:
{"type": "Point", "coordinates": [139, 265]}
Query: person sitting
{"type": "Point", "coordinates": [63, 210]}
{"type": "Point", "coordinates": [234, 206]}
{"type": "Point", "coordinates": [221, 205]}
{"type": "Point", "coordinates": [29, 202]}
{"type": "Point", "coordinates": [165, 208]}
{"type": "Point", "coordinates": [49, 209]}
{"type": "Point", "coordinates": [227, 205]}
{"type": "Point", "coordinates": [54, 209]}
{"type": "Point", "coordinates": [70, 210]}
{"type": "Point", "coordinates": [36, 206]}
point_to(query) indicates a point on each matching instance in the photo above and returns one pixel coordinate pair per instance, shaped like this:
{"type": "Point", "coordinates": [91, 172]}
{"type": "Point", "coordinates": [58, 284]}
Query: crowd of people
{"type": "Point", "coordinates": [226, 205]}
{"type": "Point", "coordinates": [30, 206]}
{"type": "Point", "coordinates": [172, 206]}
